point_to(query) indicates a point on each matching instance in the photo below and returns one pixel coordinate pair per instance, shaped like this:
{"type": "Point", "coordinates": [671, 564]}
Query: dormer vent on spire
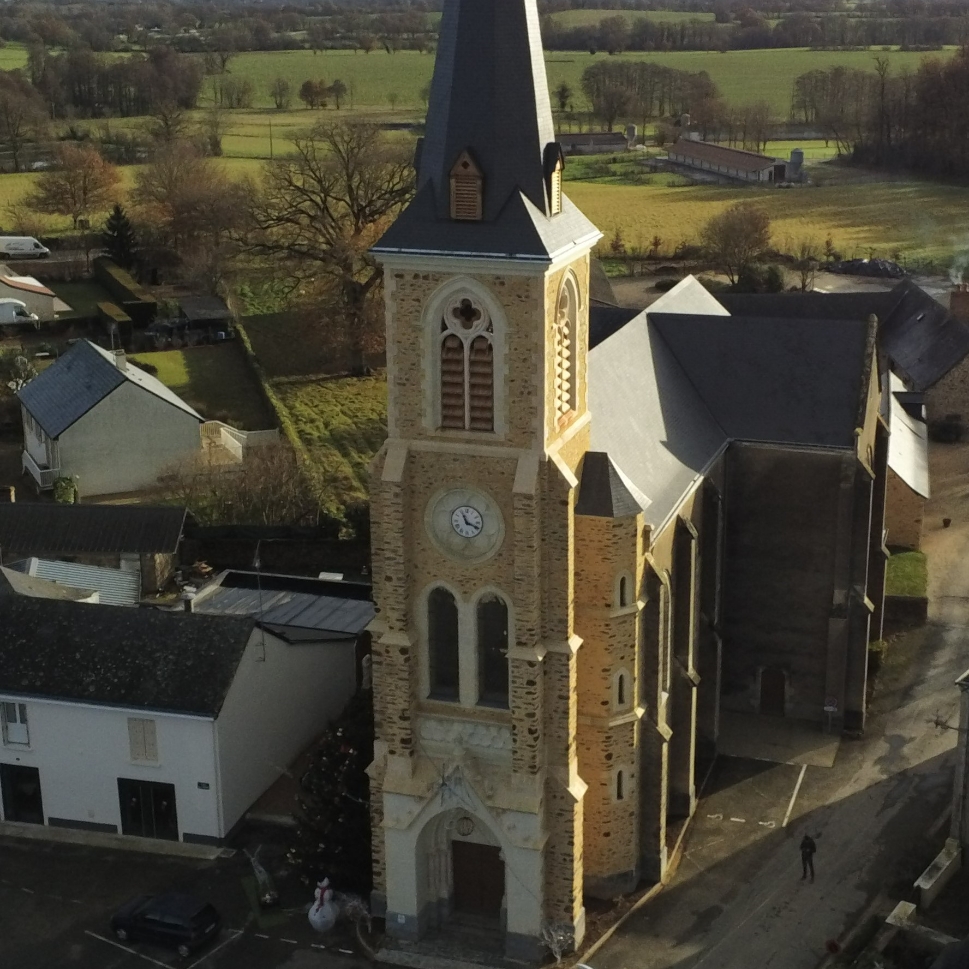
{"type": "Point", "coordinates": [467, 190]}
{"type": "Point", "coordinates": [554, 164]}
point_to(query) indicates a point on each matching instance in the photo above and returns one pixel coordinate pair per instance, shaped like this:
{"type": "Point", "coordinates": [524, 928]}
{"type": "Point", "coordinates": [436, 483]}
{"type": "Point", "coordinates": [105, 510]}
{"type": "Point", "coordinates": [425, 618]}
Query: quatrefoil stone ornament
{"type": "Point", "coordinates": [466, 313]}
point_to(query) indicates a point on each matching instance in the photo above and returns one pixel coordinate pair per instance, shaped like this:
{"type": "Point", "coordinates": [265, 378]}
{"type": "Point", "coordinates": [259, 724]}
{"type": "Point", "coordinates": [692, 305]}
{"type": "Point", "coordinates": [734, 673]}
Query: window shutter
{"type": "Point", "coordinates": [151, 743]}
{"type": "Point", "coordinates": [467, 190]}
{"type": "Point", "coordinates": [136, 739]}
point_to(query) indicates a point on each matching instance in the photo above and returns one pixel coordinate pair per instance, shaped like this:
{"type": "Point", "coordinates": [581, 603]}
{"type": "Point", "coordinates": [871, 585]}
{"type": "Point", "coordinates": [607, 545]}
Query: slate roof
{"type": "Point", "coordinates": [921, 338]}
{"type": "Point", "coordinates": [489, 96]}
{"type": "Point", "coordinates": [771, 380]}
{"type": "Point", "coordinates": [79, 381]}
{"type": "Point", "coordinates": [736, 158]}
{"type": "Point", "coordinates": [670, 391]}
{"type": "Point", "coordinates": [295, 608]}
{"type": "Point", "coordinates": [139, 658]}
{"type": "Point", "coordinates": [115, 587]}
{"type": "Point", "coordinates": [604, 491]}
{"type": "Point", "coordinates": [204, 308]}
{"type": "Point", "coordinates": [648, 418]}
{"type": "Point", "coordinates": [39, 528]}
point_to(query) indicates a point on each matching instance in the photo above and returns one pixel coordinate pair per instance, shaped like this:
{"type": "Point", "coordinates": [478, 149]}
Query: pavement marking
{"type": "Point", "coordinates": [797, 787]}
{"type": "Point", "coordinates": [234, 934]}
{"type": "Point", "coordinates": [346, 952]}
{"type": "Point", "coordinates": [290, 941]}
{"type": "Point", "coordinates": [739, 820]}
{"type": "Point", "coordinates": [29, 891]}
{"type": "Point", "coordinates": [261, 935]}
{"type": "Point", "coordinates": [127, 949]}
{"type": "Point", "coordinates": [715, 817]}
{"type": "Point", "coordinates": [766, 824]}
{"type": "Point", "coordinates": [316, 945]}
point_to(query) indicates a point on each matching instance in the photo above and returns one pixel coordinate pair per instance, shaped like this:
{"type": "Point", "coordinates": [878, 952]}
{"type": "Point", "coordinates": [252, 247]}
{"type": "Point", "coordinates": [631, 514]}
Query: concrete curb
{"type": "Point", "coordinates": [115, 842]}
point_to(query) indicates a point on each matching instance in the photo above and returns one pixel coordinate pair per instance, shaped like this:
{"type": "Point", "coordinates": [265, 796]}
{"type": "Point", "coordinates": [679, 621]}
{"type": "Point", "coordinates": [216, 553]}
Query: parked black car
{"type": "Point", "coordinates": [176, 921]}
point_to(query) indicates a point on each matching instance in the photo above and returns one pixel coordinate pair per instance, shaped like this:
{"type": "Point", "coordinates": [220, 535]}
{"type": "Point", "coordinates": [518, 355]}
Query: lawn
{"type": "Point", "coordinates": [743, 76]}
{"type": "Point", "coordinates": [922, 221]}
{"type": "Point", "coordinates": [288, 345]}
{"type": "Point", "coordinates": [216, 381]}
{"type": "Point", "coordinates": [907, 574]}
{"type": "Point", "coordinates": [343, 423]}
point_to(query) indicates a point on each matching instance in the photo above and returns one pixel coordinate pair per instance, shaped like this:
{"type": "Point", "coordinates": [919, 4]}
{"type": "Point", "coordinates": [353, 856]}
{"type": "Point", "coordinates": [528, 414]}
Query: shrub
{"type": "Point", "coordinates": [65, 491]}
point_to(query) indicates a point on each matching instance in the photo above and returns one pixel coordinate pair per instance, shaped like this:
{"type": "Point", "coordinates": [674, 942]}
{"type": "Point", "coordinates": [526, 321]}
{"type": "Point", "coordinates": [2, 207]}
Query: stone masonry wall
{"type": "Point", "coordinates": [950, 395]}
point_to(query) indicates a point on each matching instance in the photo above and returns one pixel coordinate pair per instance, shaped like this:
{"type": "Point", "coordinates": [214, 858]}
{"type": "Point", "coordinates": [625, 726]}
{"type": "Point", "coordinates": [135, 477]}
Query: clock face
{"type": "Point", "coordinates": [467, 521]}
{"type": "Point", "coordinates": [464, 523]}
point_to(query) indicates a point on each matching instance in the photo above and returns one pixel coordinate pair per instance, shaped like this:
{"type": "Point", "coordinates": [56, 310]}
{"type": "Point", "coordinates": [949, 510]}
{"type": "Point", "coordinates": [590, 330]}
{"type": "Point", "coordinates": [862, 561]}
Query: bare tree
{"type": "Point", "coordinates": [269, 487]}
{"type": "Point", "coordinates": [22, 121]}
{"type": "Point", "coordinates": [214, 127]}
{"type": "Point", "coordinates": [282, 94]}
{"type": "Point", "coordinates": [807, 256]}
{"type": "Point", "coordinates": [80, 183]}
{"type": "Point", "coordinates": [169, 123]}
{"type": "Point", "coordinates": [736, 238]}
{"type": "Point", "coordinates": [187, 209]}
{"type": "Point", "coordinates": [316, 213]}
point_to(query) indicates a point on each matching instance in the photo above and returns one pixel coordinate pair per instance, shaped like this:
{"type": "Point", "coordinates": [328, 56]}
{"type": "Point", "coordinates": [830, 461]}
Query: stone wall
{"type": "Point", "coordinates": [950, 395]}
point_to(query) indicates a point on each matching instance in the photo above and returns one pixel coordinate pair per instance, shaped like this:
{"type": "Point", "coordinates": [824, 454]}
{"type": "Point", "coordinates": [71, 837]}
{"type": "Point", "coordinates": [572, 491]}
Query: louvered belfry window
{"type": "Point", "coordinates": [467, 367]}
{"type": "Point", "coordinates": [565, 337]}
{"type": "Point", "coordinates": [467, 190]}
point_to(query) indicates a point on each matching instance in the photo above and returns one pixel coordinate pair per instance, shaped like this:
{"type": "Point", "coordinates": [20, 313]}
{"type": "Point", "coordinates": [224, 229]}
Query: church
{"type": "Point", "coordinates": [596, 531]}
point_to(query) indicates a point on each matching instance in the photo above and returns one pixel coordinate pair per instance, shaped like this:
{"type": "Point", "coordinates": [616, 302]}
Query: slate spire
{"type": "Point", "coordinates": [489, 97]}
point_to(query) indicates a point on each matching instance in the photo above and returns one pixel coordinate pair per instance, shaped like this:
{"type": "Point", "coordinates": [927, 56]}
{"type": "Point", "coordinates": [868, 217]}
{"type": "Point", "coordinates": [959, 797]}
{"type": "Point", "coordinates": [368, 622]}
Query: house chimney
{"type": "Point", "coordinates": [959, 302]}
{"type": "Point", "coordinates": [120, 360]}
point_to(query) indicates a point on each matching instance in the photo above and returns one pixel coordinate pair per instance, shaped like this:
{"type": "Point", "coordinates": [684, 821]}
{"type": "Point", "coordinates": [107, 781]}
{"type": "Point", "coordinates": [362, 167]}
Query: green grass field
{"type": "Point", "coordinates": [216, 381]}
{"type": "Point", "coordinates": [12, 56]}
{"type": "Point", "coordinates": [922, 220]}
{"type": "Point", "coordinates": [342, 422]}
{"type": "Point", "coordinates": [743, 76]}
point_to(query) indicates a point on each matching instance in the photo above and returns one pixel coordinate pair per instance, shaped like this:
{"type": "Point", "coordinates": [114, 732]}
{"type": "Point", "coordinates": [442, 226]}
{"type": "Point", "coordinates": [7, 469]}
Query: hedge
{"type": "Point", "coordinates": [134, 299]}
{"type": "Point", "coordinates": [111, 313]}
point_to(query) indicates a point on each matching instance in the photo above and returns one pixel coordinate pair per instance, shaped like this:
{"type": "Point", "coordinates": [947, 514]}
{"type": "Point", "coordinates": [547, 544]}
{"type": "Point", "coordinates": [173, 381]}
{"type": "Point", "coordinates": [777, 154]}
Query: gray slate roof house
{"type": "Point", "coordinates": [132, 657]}
{"type": "Point", "coordinates": [40, 528]}
{"type": "Point", "coordinates": [106, 423]}
{"type": "Point", "coordinates": [79, 381]}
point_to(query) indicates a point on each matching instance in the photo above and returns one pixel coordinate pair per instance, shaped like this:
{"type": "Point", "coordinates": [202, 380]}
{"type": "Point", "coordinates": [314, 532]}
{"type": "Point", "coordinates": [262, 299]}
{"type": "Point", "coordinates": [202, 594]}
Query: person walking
{"type": "Point", "coordinates": [808, 847]}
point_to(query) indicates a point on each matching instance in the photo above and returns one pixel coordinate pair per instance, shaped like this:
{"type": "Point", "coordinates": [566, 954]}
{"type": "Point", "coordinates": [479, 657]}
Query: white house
{"type": "Point", "coordinates": [108, 424]}
{"type": "Point", "coordinates": [154, 724]}
{"type": "Point", "coordinates": [39, 299]}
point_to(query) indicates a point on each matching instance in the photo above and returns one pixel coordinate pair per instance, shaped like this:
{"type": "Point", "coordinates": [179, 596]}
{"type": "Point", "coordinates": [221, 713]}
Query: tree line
{"type": "Point", "coordinates": [910, 120]}
{"type": "Point", "coordinates": [750, 30]}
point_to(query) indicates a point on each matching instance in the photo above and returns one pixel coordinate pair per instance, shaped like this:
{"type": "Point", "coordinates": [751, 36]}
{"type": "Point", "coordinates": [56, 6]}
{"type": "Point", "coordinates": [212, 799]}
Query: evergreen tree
{"type": "Point", "coordinates": [119, 237]}
{"type": "Point", "coordinates": [333, 820]}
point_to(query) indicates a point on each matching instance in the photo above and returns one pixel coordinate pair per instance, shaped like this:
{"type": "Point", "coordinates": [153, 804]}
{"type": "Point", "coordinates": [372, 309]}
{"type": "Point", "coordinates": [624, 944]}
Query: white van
{"type": "Point", "coordinates": [14, 311]}
{"type": "Point", "coordinates": [22, 247]}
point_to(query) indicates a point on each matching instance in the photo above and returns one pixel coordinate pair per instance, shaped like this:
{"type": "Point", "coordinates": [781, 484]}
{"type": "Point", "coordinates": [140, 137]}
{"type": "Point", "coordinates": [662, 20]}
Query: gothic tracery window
{"type": "Point", "coordinates": [467, 367]}
{"type": "Point", "coordinates": [565, 337]}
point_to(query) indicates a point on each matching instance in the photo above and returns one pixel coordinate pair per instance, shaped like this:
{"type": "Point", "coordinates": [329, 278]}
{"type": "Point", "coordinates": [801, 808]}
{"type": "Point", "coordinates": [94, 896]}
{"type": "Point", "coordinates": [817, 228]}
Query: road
{"type": "Point", "coordinates": [879, 815]}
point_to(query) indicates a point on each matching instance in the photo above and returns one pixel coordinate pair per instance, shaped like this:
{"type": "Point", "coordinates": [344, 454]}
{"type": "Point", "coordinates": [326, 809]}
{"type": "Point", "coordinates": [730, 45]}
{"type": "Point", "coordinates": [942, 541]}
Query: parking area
{"type": "Point", "coordinates": [56, 901]}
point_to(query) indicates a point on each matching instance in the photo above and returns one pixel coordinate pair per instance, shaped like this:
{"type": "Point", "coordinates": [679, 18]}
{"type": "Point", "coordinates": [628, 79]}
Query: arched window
{"type": "Point", "coordinates": [623, 591]}
{"type": "Point", "coordinates": [621, 690]}
{"type": "Point", "coordinates": [565, 348]}
{"type": "Point", "coordinates": [620, 785]}
{"type": "Point", "coordinates": [442, 644]}
{"type": "Point", "coordinates": [492, 621]}
{"type": "Point", "coordinates": [467, 367]}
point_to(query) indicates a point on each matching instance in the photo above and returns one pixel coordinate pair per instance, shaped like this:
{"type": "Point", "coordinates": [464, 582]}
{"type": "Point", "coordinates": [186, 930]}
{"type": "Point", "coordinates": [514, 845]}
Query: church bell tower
{"type": "Point", "coordinates": [476, 798]}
